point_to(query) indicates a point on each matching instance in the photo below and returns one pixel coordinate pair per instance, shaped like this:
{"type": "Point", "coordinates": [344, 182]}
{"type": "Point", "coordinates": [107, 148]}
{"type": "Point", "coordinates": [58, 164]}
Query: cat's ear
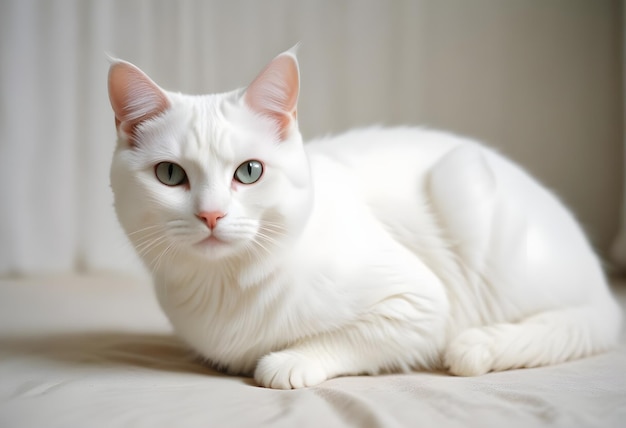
{"type": "Point", "coordinates": [274, 92]}
{"type": "Point", "coordinates": [134, 96]}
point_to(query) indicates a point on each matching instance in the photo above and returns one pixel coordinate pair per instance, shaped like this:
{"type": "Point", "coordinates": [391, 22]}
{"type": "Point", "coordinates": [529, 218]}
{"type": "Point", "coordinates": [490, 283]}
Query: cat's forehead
{"type": "Point", "coordinates": [207, 127]}
{"type": "Point", "coordinates": [216, 127]}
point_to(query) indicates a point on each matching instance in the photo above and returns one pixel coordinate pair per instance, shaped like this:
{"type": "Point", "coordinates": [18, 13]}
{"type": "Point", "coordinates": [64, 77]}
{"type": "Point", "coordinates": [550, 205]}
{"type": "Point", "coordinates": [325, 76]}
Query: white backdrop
{"type": "Point", "coordinates": [618, 251]}
{"type": "Point", "coordinates": [539, 80]}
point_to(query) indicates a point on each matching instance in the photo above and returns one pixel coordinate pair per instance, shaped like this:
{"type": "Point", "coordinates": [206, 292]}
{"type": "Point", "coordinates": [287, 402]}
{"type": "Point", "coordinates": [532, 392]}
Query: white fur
{"type": "Point", "coordinates": [377, 250]}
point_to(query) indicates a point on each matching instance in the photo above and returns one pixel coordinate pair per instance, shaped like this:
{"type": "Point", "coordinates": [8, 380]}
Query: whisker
{"type": "Point", "coordinates": [144, 229]}
{"type": "Point", "coordinates": [252, 251]}
{"type": "Point", "coordinates": [278, 227]}
{"type": "Point", "coordinates": [146, 246]}
{"type": "Point", "coordinates": [267, 238]}
{"type": "Point", "coordinates": [258, 243]}
{"type": "Point", "coordinates": [271, 232]}
{"type": "Point", "coordinates": [253, 248]}
{"type": "Point", "coordinates": [161, 257]}
{"type": "Point", "coordinates": [146, 232]}
{"type": "Point", "coordinates": [148, 243]}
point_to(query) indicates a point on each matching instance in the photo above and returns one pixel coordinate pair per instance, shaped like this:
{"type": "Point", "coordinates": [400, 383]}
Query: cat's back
{"type": "Point", "coordinates": [378, 149]}
{"type": "Point", "coordinates": [384, 168]}
{"type": "Point", "coordinates": [433, 190]}
{"type": "Point", "coordinates": [420, 165]}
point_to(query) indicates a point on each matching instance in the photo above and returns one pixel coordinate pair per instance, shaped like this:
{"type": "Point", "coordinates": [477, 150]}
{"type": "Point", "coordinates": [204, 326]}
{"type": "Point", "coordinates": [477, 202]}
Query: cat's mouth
{"type": "Point", "coordinates": [213, 247]}
{"type": "Point", "coordinates": [210, 241]}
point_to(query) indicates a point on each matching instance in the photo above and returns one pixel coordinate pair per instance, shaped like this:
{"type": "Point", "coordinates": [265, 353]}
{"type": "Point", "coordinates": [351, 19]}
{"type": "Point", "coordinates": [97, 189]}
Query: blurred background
{"type": "Point", "coordinates": [541, 81]}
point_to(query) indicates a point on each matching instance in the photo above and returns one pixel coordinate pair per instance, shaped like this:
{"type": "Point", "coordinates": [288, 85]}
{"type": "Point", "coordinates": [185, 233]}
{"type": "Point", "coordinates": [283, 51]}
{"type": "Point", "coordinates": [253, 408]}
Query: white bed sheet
{"type": "Point", "coordinates": [97, 352]}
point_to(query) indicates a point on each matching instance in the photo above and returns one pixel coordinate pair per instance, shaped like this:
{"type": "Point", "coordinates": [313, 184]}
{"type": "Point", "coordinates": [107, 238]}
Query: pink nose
{"type": "Point", "coordinates": [210, 218]}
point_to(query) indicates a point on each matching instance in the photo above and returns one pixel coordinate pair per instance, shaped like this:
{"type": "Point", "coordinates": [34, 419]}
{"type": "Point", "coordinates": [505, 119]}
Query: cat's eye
{"type": "Point", "coordinates": [249, 172]}
{"type": "Point", "coordinates": [170, 174]}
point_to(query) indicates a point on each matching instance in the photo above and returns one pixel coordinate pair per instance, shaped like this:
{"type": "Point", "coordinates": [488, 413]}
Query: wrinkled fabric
{"type": "Point", "coordinates": [97, 352]}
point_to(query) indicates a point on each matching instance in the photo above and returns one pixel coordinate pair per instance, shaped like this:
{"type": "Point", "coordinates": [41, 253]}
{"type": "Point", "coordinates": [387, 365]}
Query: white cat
{"type": "Point", "coordinates": [374, 251]}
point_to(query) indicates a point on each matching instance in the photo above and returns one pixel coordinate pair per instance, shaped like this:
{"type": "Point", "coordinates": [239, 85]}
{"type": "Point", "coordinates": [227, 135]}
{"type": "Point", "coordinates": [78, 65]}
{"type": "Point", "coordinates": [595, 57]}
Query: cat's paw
{"type": "Point", "coordinates": [470, 353]}
{"type": "Point", "coordinates": [289, 370]}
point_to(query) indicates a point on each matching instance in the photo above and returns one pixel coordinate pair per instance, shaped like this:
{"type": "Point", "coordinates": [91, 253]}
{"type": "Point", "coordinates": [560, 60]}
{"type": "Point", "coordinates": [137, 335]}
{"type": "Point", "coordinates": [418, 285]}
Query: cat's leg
{"type": "Point", "coordinates": [464, 192]}
{"type": "Point", "coordinates": [397, 335]}
{"type": "Point", "coordinates": [546, 338]}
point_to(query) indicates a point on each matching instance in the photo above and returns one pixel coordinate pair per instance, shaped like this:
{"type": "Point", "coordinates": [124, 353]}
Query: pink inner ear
{"type": "Point", "coordinates": [134, 96]}
{"type": "Point", "coordinates": [274, 93]}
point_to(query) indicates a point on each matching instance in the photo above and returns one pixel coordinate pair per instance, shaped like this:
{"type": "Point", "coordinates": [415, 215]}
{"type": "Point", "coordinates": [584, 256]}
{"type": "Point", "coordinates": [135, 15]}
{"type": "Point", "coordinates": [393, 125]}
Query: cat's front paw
{"type": "Point", "coordinates": [470, 353]}
{"type": "Point", "coordinates": [289, 370]}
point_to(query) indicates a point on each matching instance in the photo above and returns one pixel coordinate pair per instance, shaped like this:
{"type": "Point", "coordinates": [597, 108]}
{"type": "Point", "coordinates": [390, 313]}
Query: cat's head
{"type": "Point", "coordinates": [209, 177]}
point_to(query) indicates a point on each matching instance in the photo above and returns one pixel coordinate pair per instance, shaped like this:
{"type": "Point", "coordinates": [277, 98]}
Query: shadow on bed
{"type": "Point", "coordinates": [109, 349]}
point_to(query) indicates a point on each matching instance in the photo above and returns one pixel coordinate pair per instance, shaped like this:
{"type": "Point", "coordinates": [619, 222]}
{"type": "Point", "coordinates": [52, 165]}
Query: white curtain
{"type": "Point", "coordinates": [535, 79]}
{"type": "Point", "coordinates": [618, 251]}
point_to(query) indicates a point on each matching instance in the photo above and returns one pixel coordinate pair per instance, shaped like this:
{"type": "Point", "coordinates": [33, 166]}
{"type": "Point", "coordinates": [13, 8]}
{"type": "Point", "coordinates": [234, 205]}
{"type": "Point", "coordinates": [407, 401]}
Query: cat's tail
{"type": "Point", "coordinates": [546, 338]}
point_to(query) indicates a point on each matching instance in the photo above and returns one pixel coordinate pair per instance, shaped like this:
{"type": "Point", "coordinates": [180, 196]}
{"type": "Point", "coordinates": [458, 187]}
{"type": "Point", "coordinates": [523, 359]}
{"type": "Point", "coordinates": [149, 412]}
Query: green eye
{"type": "Point", "coordinates": [249, 172]}
{"type": "Point", "coordinates": [170, 174]}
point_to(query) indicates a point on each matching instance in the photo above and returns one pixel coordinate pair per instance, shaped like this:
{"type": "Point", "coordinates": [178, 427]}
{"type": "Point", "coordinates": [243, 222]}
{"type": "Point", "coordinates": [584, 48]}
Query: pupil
{"type": "Point", "coordinates": [170, 170]}
{"type": "Point", "coordinates": [250, 168]}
